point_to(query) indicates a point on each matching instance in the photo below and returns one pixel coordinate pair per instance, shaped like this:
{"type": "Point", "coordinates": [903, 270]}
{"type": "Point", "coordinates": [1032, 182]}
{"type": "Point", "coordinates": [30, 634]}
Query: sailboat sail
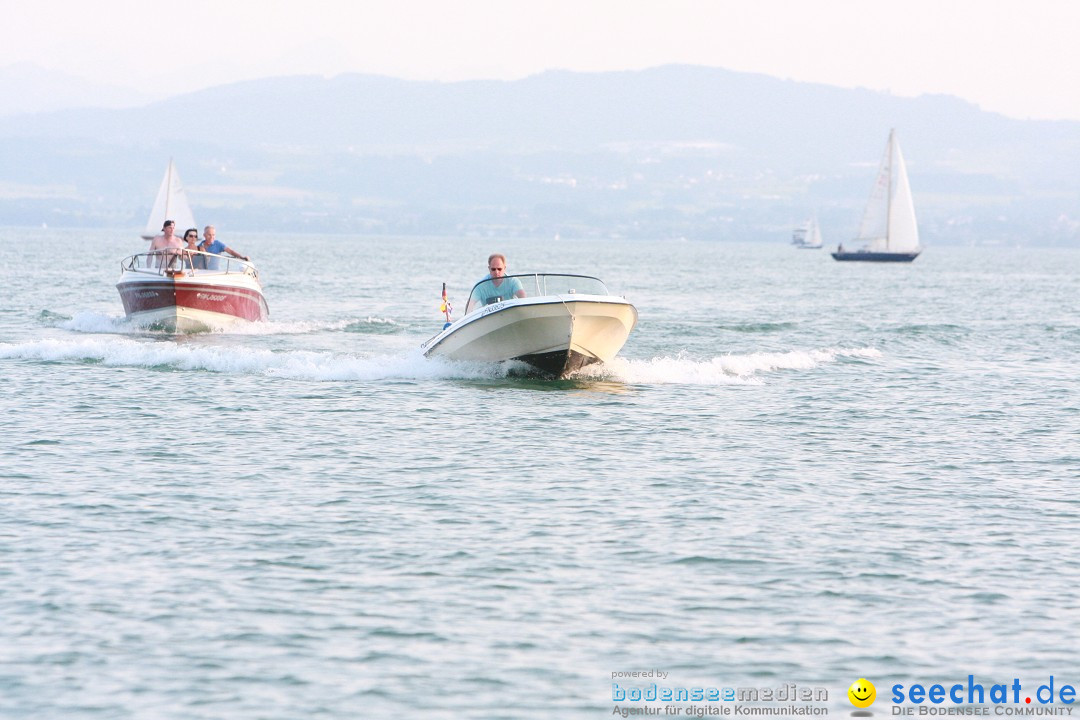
{"type": "Point", "coordinates": [889, 225]}
{"type": "Point", "coordinates": [903, 230]}
{"type": "Point", "coordinates": [808, 235]}
{"type": "Point", "coordinates": [874, 228]}
{"type": "Point", "coordinates": [171, 204]}
{"type": "Point", "coordinates": [813, 235]}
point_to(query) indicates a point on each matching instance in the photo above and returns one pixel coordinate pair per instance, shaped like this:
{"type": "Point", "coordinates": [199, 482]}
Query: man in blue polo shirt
{"type": "Point", "coordinates": [496, 286]}
{"type": "Point", "coordinates": [216, 247]}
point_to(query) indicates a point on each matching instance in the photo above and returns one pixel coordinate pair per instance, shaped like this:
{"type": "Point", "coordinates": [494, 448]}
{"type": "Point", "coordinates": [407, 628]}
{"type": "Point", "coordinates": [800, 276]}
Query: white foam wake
{"type": "Point", "coordinates": [271, 327]}
{"type": "Point", "coordinates": [92, 322]}
{"type": "Point", "coordinates": [721, 370]}
{"type": "Point", "coordinates": [299, 364]}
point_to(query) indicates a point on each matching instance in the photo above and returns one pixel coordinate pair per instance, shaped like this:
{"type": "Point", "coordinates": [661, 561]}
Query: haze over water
{"type": "Point", "coordinates": [797, 471]}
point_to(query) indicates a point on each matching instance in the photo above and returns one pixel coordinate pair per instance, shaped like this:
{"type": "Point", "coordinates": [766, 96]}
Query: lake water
{"type": "Point", "coordinates": [797, 471]}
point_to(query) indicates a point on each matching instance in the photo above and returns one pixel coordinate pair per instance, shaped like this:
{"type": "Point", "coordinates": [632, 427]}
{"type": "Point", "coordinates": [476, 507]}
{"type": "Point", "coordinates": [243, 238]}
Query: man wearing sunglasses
{"type": "Point", "coordinates": [500, 287]}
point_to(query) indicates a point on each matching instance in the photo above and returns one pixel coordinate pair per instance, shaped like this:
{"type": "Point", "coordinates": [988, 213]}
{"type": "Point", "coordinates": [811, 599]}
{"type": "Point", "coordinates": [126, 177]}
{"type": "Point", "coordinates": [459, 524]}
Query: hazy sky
{"type": "Point", "coordinates": [1018, 57]}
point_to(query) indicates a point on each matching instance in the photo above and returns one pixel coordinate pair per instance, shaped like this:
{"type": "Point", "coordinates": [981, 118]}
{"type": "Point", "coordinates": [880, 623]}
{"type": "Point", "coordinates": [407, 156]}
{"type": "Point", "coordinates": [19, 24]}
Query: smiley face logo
{"type": "Point", "coordinates": [862, 693]}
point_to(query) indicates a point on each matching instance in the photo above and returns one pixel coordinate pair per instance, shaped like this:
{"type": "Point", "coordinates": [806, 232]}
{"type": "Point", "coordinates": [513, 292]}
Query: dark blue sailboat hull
{"type": "Point", "coordinates": [866, 256]}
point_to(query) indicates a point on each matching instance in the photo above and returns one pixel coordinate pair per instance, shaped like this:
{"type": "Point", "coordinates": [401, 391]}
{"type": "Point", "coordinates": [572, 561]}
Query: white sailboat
{"type": "Point", "coordinates": [808, 236]}
{"type": "Point", "coordinates": [889, 232]}
{"type": "Point", "coordinates": [171, 204]}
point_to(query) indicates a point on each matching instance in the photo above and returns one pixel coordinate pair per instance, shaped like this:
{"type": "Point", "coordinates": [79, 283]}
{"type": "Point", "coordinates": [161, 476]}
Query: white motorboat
{"type": "Point", "coordinates": [190, 291]}
{"type": "Point", "coordinates": [563, 323]}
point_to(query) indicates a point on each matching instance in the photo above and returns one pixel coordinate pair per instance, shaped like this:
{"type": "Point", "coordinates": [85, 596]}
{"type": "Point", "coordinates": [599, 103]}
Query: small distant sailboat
{"type": "Point", "coordinates": [808, 236]}
{"type": "Point", "coordinates": [888, 232]}
{"type": "Point", "coordinates": [171, 204]}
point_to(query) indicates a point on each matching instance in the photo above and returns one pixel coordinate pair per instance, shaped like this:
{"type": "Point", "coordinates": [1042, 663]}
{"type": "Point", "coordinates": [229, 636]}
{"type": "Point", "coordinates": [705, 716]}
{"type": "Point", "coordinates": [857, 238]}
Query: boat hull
{"type": "Point", "coordinates": [555, 335]}
{"type": "Point", "coordinates": [189, 303]}
{"type": "Point", "coordinates": [875, 256]}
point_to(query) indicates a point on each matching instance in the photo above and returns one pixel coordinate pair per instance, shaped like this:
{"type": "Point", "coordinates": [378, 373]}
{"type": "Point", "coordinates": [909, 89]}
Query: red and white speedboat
{"type": "Point", "coordinates": [190, 291]}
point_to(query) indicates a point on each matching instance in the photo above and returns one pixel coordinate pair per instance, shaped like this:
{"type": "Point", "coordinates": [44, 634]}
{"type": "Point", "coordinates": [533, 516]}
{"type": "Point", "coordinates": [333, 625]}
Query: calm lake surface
{"type": "Point", "coordinates": [797, 471]}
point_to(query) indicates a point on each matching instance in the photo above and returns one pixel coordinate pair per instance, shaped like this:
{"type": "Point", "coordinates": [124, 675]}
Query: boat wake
{"type": "Point", "coordinates": [99, 323]}
{"type": "Point", "coordinates": [721, 370]}
{"type": "Point", "coordinates": [294, 364]}
{"type": "Point", "coordinates": [365, 326]}
{"type": "Point", "coordinates": [90, 322]}
{"type": "Point", "coordinates": [330, 366]}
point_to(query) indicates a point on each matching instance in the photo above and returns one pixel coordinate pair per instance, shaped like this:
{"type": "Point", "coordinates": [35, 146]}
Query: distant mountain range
{"type": "Point", "coordinates": [28, 88]}
{"type": "Point", "coordinates": [674, 151]}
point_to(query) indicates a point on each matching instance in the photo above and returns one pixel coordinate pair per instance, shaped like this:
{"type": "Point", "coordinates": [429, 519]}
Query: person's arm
{"type": "Point", "coordinates": [236, 255]}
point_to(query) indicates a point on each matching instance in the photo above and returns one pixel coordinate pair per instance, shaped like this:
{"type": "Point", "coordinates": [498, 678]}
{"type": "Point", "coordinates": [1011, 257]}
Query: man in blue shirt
{"type": "Point", "coordinates": [216, 247]}
{"type": "Point", "coordinates": [496, 286]}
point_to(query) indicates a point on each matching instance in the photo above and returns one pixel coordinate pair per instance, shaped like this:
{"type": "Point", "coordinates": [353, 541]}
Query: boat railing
{"type": "Point", "coordinates": [486, 292]}
{"type": "Point", "coordinates": [173, 261]}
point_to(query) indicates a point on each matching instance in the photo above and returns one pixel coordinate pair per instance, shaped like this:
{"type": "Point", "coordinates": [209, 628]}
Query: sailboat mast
{"type": "Point", "coordinates": [168, 191]}
{"type": "Point", "coordinates": [888, 194]}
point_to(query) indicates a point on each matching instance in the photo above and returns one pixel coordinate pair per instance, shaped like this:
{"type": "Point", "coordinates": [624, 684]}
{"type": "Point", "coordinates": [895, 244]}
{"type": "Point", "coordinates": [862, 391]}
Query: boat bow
{"type": "Point", "coordinates": [189, 291]}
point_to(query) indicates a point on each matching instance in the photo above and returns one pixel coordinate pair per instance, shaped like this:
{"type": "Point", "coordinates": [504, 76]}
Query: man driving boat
{"type": "Point", "coordinates": [496, 287]}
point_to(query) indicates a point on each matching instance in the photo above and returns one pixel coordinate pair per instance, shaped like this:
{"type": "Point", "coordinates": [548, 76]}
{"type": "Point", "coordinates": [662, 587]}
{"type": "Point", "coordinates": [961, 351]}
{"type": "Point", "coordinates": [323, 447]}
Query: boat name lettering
{"type": "Point", "coordinates": [207, 296]}
{"type": "Point", "coordinates": [493, 308]}
{"type": "Point", "coordinates": [145, 294]}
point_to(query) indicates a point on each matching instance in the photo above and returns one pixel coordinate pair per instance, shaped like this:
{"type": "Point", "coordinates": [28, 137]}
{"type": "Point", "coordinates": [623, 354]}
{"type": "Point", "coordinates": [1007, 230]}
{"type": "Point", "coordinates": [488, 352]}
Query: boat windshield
{"type": "Point", "coordinates": [487, 292]}
{"type": "Point", "coordinates": [190, 262]}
